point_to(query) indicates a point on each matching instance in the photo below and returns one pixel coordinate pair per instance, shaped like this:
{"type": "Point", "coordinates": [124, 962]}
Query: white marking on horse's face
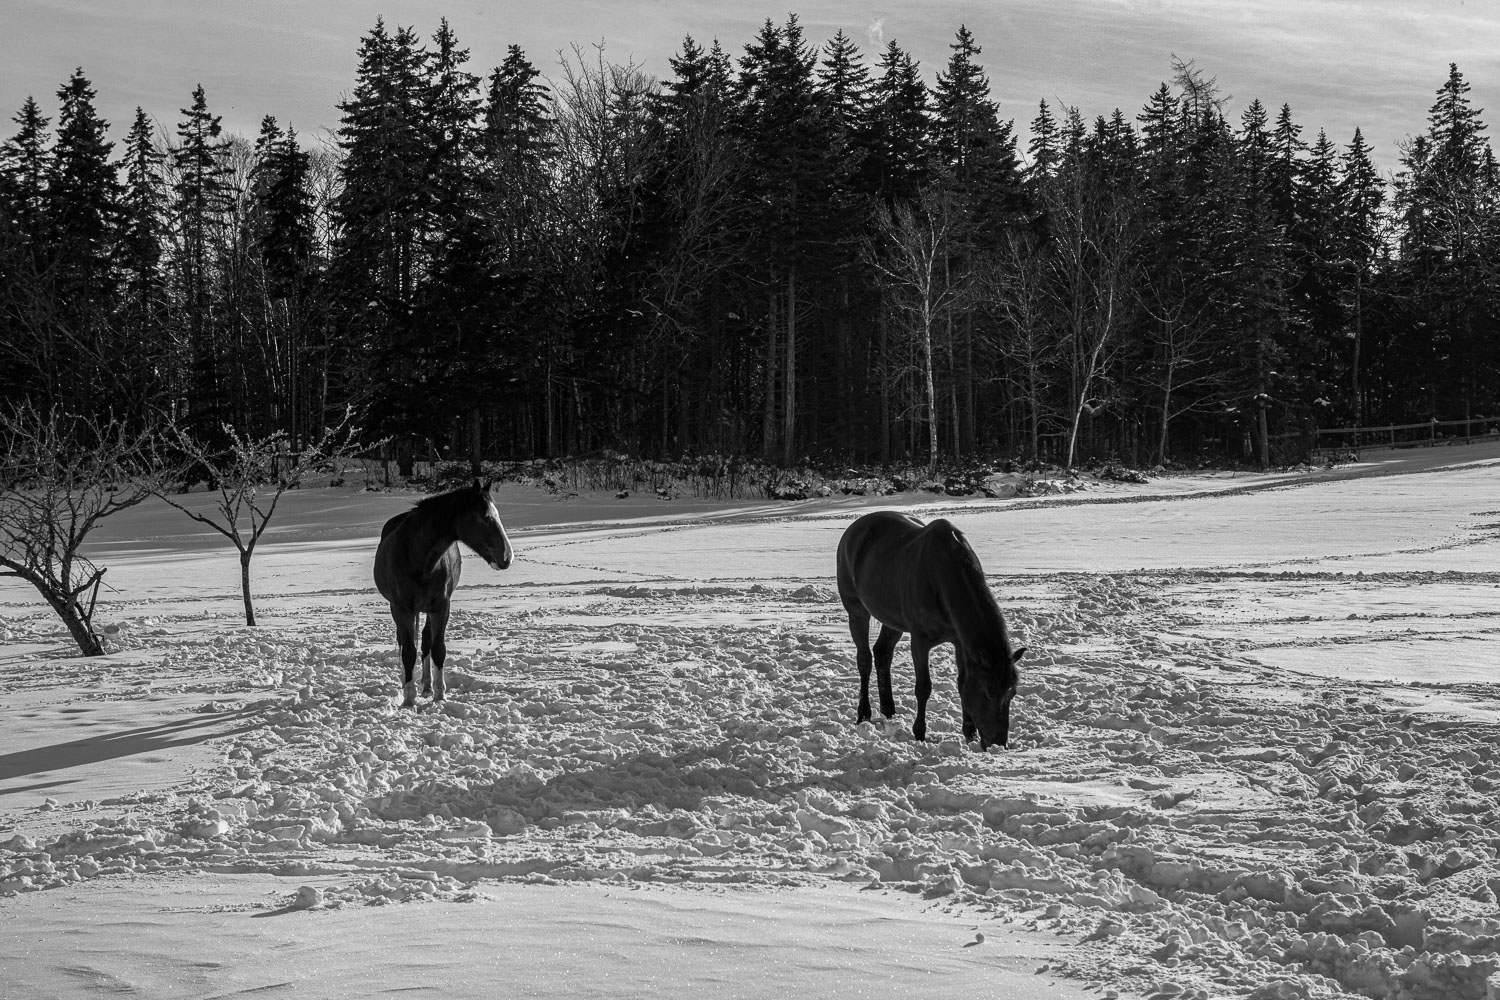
{"type": "Point", "coordinates": [494, 517]}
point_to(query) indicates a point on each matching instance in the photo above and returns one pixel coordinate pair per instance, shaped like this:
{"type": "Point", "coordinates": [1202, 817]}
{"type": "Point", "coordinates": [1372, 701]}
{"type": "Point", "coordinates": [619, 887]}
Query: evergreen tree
{"type": "Point", "coordinates": [1285, 169]}
{"type": "Point", "coordinates": [379, 214]}
{"type": "Point", "coordinates": [900, 142]}
{"type": "Point", "coordinates": [1044, 148]}
{"type": "Point", "coordinates": [83, 206]}
{"type": "Point", "coordinates": [143, 234]}
{"type": "Point", "coordinates": [452, 111]}
{"type": "Point", "coordinates": [976, 151]}
{"type": "Point", "coordinates": [1361, 195]}
{"type": "Point", "coordinates": [26, 172]}
{"type": "Point", "coordinates": [784, 131]}
{"type": "Point", "coordinates": [27, 346]}
{"type": "Point", "coordinates": [203, 193]}
{"type": "Point", "coordinates": [386, 154]}
{"type": "Point", "coordinates": [1454, 129]}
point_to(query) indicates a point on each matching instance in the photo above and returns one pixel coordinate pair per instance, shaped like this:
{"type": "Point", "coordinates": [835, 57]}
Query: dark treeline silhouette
{"type": "Point", "coordinates": [794, 252]}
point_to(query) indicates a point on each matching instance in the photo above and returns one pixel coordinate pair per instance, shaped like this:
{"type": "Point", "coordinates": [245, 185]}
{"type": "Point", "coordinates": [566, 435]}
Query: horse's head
{"type": "Point", "coordinates": [480, 529]}
{"type": "Point", "coordinates": [989, 686]}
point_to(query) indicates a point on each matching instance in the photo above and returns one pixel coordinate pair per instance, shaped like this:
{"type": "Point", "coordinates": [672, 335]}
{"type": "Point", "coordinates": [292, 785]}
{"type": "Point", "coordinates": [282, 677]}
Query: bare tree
{"type": "Point", "coordinates": [910, 249]}
{"type": "Point", "coordinates": [60, 475]}
{"type": "Point", "coordinates": [1017, 281]}
{"type": "Point", "coordinates": [250, 475]}
{"type": "Point", "coordinates": [1185, 350]}
{"type": "Point", "coordinates": [1095, 228]}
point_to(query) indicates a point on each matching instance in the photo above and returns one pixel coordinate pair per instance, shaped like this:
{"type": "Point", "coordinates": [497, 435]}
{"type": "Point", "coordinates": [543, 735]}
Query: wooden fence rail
{"type": "Point", "coordinates": [1330, 441]}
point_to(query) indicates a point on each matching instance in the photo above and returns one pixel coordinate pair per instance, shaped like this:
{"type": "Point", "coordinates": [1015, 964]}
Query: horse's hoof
{"type": "Point", "coordinates": [409, 696]}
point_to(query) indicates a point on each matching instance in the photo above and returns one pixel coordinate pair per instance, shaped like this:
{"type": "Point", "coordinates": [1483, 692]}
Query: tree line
{"type": "Point", "coordinates": [797, 252]}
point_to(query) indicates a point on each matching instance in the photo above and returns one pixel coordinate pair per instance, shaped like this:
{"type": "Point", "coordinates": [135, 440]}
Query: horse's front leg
{"type": "Point", "coordinates": [406, 637]}
{"type": "Point", "coordinates": [920, 647]}
{"type": "Point", "coordinates": [432, 636]}
{"type": "Point", "coordinates": [427, 657]}
{"type": "Point", "coordinates": [960, 662]}
{"type": "Point", "coordinates": [859, 629]}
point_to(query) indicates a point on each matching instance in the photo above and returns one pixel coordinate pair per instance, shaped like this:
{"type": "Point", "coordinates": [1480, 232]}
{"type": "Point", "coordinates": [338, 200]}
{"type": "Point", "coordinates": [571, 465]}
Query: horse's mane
{"type": "Point", "coordinates": [442, 502]}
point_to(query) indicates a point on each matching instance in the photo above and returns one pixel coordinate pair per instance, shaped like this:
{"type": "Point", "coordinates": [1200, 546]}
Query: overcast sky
{"type": "Point", "coordinates": [1338, 63]}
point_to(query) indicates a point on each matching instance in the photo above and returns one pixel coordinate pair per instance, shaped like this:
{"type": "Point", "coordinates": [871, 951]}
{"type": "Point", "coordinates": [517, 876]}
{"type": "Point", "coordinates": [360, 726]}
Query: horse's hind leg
{"type": "Point", "coordinates": [427, 656]}
{"type": "Point", "coordinates": [859, 628]}
{"type": "Point", "coordinates": [437, 624]}
{"type": "Point", "coordinates": [406, 637]}
{"type": "Point", "coordinates": [885, 648]}
{"type": "Point", "coordinates": [919, 650]}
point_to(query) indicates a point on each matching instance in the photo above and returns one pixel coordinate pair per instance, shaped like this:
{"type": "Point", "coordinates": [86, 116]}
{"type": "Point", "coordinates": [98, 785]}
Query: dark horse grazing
{"type": "Point", "coordinates": [926, 580]}
{"type": "Point", "coordinates": [417, 566]}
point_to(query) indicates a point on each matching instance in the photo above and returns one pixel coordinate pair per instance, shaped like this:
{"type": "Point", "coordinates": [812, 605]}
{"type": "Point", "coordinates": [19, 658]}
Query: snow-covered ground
{"type": "Point", "coordinates": [1254, 753]}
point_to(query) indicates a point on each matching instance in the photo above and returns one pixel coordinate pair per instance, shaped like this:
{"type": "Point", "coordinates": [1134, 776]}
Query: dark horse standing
{"type": "Point", "coordinates": [417, 566]}
{"type": "Point", "coordinates": [926, 580]}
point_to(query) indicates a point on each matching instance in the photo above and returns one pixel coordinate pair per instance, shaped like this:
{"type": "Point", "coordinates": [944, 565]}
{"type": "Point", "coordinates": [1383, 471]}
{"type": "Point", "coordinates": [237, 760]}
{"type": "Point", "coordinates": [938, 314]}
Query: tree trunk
{"type": "Point", "coordinates": [1354, 389]}
{"type": "Point", "coordinates": [1166, 418]}
{"type": "Point", "coordinates": [932, 432]}
{"type": "Point", "coordinates": [884, 389]}
{"type": "Point", "coordinates": [245, 585]}
{"type": "Point", "coordinates": [768, 444]}
{"type": "Point", "coordinates": [476, 454]}
{"type": "Point", "coordinates": [1263, 433]}
{"type": "Point", "coordinates": [79, 625]}
{"type": "Point", "coordinates": [789, 417]}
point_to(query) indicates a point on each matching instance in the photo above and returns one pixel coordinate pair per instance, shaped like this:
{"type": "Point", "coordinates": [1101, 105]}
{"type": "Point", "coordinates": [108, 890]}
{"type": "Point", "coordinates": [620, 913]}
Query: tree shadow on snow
{"type": "Point", "coordinates": [125, 743]}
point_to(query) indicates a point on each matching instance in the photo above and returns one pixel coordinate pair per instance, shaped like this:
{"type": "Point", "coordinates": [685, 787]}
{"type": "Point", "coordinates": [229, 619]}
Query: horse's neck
{"type": "Point", "coordinates": [976, 616]}
{"type": "Point", "coordinates": [433, 538]}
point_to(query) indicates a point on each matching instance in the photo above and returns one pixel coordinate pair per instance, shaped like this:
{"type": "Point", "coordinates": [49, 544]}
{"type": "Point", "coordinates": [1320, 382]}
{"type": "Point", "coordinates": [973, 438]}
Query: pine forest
{"type": "Point", "coordinates": [800, 253]}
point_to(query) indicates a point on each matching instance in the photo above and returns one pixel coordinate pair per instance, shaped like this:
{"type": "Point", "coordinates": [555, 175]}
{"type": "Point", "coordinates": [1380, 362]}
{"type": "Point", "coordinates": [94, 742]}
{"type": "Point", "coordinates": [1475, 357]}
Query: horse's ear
{"type": "Point", "coordinates": [488, 483]}
{"type": "Point", "coordinates": [479, 487]}
{"type": "Point", "coordinates": [1017, 654]}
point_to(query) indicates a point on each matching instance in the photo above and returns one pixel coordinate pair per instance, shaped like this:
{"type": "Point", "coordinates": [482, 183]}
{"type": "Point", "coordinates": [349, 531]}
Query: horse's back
{"type": "Point", "coordinates": [899, 569]}
{"type": "Point", "coordinates": [874, 564]}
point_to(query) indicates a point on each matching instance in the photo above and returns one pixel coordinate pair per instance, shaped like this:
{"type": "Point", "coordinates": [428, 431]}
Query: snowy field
{"type": "Point", "coordinates": [1254, 753]}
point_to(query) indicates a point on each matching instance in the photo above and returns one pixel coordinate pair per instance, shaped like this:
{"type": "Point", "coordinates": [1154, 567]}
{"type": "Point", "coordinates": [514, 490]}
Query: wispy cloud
{"type": "Point", "coordinates": [1339, 63]}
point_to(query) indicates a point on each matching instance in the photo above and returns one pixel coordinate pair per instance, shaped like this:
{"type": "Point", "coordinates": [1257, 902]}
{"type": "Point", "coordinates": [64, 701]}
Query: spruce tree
{"type": "Point", "coordinates": [1044, 149]}
{"type": "Point", "coordinates": [976, 150]}
{"type": "Point", "coordinates": [83, 207]}
{"type": "Point", "coordinates": [901, 159]}
{"type": "Point", "coordinates": [203, 192]}
{"type": "Point", "coordinates": [143, 234]}
{"type": "Point", "coordinates": [26, 172]}
{"type": "Point", "coordinates": [784, 131]}
{"type": "Point", "coordinates": [27, 347]}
